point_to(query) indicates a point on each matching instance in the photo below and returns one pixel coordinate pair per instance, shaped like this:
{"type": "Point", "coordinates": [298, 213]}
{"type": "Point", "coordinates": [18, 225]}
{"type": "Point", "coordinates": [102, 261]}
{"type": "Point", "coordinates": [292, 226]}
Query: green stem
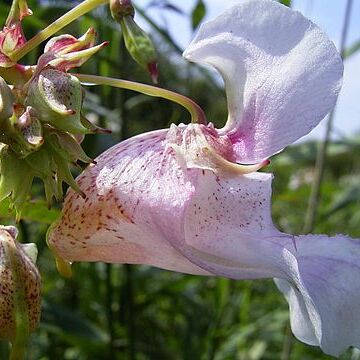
{"type": "Point", "coordinates": [57, 25]}
{"type": "Point", "coordinates": [197, 114]}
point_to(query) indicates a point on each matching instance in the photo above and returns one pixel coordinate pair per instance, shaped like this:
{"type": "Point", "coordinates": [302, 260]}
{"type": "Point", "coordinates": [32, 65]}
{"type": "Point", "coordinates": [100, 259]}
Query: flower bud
{"type": "Point", "coordinates": [30, 128]}
{"type": "Point", "coordinates": [57, 97]}
{"type": "Point", "coordinates": [6, 100]}
{"type": "Point", "coordinates": [71, 52]}
{"type": "Point", "coordinates": [137, 42]}
{"type": "Point", "coordinates": [139, 45]}
{"type": "Point", "coordinates": [12, 36]}
{"type": "Point", "coordinates": [25, 133]}
{"type": "Point", "coordinates": [20, 286]}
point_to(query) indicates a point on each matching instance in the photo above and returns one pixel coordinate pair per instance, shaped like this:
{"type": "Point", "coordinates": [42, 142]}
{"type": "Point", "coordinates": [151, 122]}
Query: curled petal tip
{"type": "Point", "coordinates": [63, 267]}
{"type": "Point", "coordinates": [247, 169]}
{"type": "Point", "coordinates": [103, 44]}
{"type": "Point", "coordinates": [70, 112]}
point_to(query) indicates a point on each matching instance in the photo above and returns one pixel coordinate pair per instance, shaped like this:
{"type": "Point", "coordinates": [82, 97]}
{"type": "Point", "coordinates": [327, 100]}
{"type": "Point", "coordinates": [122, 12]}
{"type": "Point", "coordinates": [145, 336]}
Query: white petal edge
{"type": "Point", "coordinates": [282, 74]}
{"type": "Point", "coordinates": [323, 291]}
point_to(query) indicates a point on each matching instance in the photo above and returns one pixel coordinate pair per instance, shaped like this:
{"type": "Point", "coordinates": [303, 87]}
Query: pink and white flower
{"type": "Point", "coordinates": [179, 199]}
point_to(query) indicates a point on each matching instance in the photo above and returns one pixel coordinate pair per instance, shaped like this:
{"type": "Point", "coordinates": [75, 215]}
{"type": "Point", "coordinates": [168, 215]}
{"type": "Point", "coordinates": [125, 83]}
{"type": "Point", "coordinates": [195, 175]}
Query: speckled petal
{"type": "Point", "coordinates": [282, 74]}
{"type": "Point", "coordinates": [142, 206]}
{"type": "Point", "coordinates": [135, 197]}
{"type": "Point", "coordinates": [228, 228]}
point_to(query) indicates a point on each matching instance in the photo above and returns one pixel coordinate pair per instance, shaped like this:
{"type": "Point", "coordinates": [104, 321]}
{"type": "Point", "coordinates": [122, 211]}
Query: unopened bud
{"type": "Point", "coordinates": [11, 39]}
{"type": "Point", "coordinates": [25, 135]}
{"type": "Point", "coordinates": [70, 52]}
{"type": "Point", "coordinates": [139, 45]}
{"type": "Point", "coordinates": [7, 100]}
{"type": "Point", "coordinates": [57, 97]}
{"type": "Point", "coordinates": [30, 128]}
{"type": "Point", "coordinates": [137, 42]}
{"type": "Point", "coordinates": [20, 287]}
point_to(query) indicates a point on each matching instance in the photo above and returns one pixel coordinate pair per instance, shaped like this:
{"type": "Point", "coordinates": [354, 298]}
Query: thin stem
{"type": "Point", "coordinates": [197, 114]}
{"type": "Point", "coordinates": [313, 204]}
{"type": "Point", "coordinates": [57, 25]}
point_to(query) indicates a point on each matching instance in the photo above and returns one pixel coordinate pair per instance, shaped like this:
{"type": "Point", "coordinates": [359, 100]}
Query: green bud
{"type": "Point", "coordinates": [57, 97]}
{"type": "Point", "coordinates": [30, 127]}
{"type": "Point", "coordinates": [7, 100]}
{"type": "Point", "coordinates": [139, 45]}
{"type": "Point", "coordinates": [25, 133]}
{"type": "Point", "coordinates": [20, 290]}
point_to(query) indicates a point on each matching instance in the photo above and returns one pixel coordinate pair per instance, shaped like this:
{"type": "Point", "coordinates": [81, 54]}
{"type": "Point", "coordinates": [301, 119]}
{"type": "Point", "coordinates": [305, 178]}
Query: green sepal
{"type": "Point", "coordinates": [57, 96]}
{"type": "Point", "coordinates": [16, 178]}
{"type": "Point", "coordinates": [93, 128]}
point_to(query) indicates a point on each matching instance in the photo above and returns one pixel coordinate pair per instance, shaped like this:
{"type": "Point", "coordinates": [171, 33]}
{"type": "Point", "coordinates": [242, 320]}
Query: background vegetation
{"type": "Point", "coordinates": [137, 312]}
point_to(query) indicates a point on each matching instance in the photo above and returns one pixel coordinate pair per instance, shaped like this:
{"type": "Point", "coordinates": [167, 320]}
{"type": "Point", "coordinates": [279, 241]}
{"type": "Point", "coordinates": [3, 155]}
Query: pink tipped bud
{"type": "Point", "coordinates": [66, 51]}
{"type": "Point", "coordinates": [11, 39]}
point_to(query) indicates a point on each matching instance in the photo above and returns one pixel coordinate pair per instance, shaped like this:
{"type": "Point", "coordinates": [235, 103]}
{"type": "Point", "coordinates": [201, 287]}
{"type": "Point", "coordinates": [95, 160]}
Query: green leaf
{"type": "Point", "coordinates": [198, 14]}
{"type": "Point", "coordinates": [32, 211]}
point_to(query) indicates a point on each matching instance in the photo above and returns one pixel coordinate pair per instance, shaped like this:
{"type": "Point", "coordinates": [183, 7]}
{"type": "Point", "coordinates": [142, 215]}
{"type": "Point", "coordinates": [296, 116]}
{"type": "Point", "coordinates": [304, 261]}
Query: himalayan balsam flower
{"type": "Point", "coordinates": [179, 200]}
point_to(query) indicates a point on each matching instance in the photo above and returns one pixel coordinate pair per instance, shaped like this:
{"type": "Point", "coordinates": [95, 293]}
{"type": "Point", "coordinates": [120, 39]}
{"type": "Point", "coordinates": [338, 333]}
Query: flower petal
{"type": "Point", "coordinates": [324, 291]}
{"type": "Point", "coordinates": [282, 74]}
{"type": "Point", "coordinates": [143, 206]}
{"type": "Point", "coordinates": [228, 228]}
{"type": "Point", "coordinates": [135, 195]}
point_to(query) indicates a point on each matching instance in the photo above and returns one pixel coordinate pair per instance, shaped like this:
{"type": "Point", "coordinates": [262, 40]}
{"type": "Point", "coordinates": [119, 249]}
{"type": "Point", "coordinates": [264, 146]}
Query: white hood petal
{"type": "Point", "coordinates": [282, 74]}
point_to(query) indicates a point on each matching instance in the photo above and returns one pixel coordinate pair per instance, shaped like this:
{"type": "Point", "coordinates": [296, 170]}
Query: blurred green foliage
{"type": "Point", "coordinates": [137, 312]}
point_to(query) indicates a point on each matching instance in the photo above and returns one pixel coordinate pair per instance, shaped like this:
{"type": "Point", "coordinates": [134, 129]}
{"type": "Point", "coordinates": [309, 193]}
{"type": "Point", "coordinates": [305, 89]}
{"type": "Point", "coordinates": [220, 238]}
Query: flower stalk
{"type": "Point", "coordinates": [197, 114]}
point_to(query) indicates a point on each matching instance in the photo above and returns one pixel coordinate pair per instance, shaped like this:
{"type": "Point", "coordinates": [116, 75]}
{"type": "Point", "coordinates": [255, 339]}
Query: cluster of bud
{"type": "Point", "coordinates": [41, 120]}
